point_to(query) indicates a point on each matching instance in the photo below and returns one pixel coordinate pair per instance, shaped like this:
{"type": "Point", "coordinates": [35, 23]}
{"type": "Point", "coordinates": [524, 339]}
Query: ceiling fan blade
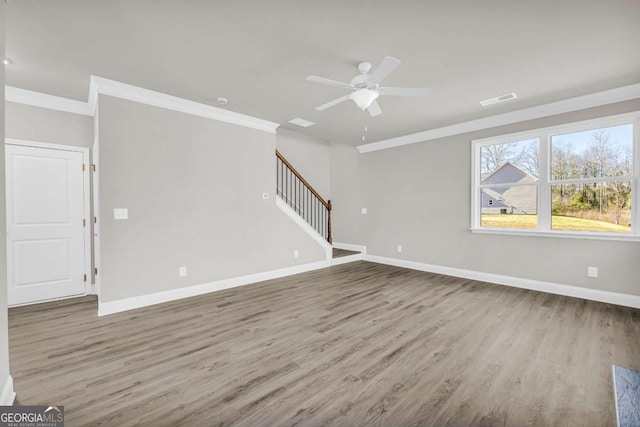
{"type": "Point", "coordinates": [374, 109]}
{"type": "Point", "coordinates": [404, 91]}
{"type": "Point", "coordinates": [332, 103]}
{"type": "Point", "coordinates": [324, 81]}
{"type": "Point", "coordinates": [388, 64]}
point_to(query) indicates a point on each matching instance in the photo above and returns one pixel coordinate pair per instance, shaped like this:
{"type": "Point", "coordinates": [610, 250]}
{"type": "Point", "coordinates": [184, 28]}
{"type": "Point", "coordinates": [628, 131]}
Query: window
{"type": "Point", "coordinates": [508, 184]}
{"type": "Point", "coordinates": [577, 179]}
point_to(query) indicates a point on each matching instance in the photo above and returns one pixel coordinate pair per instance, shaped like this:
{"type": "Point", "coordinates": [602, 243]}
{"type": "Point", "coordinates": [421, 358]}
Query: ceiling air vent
{"type": "Point", "coordinates": [301, 122]}
{"type": "Point", "coordinates": [501, 98]}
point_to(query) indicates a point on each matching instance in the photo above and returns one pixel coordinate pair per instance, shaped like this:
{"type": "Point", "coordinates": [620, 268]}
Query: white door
{"type": "Point", "coordinates": [45, 230]}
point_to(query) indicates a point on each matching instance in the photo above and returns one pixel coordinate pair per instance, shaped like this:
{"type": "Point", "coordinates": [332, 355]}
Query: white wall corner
{"type": "Point", "coordinates": [125, 304]}
{"type": "Point", "coordinates": [626, 300]}
{"type": "Point", "coordinates": [284, 207]}
{"type": "Point", "coordinates": [100, 85]}
{"type": "Point", "coordinates": [8, 395]}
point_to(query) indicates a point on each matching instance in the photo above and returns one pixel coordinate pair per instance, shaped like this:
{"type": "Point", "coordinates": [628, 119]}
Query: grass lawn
{"type": "Point", "coordinates": [557, 223]}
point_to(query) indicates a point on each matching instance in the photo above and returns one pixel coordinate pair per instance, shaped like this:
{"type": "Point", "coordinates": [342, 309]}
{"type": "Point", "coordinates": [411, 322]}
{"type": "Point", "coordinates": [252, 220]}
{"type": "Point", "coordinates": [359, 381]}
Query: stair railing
{"type": "Point", "coordinates": [302, 197]}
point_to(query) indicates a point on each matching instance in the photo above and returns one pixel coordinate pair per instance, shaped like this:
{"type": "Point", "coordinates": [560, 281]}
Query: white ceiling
{"type": "Point", "coordinates": [257, 54]}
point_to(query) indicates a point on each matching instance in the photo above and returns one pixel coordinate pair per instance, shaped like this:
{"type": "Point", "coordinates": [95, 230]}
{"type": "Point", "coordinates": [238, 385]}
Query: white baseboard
{"type": "Point", "coordinates": [350, 247]}
{"type": "Point", "coordinates": [44, 301]}
{"type": "Point", "coordinates": [125, 304]}
{"type": "Point", "coordinates": [8, 396]}
{"type": "Point", "coordinates": [516, 282]}
{"type": "Point", "coordinates": [346, 259]}
{"type": "Point", "coordinates": [284, 207]}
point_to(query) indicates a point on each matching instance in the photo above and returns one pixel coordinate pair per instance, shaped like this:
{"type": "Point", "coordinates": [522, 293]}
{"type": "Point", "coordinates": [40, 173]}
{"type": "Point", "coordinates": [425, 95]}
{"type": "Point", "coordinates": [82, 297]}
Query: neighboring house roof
{"type": "Point", "coordinates": [509, 173]}
{"type": "Point", "coordinates": [518, 199]}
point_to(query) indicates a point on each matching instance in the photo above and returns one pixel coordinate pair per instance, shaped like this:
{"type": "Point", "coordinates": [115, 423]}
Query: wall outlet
{"type": "Point", "coordinates": [265, 196]}
{"type": "Point", "coordinates": [296, 254]}
{"type": "Point", "coordinates": [364, 211]}
{"type": "Point", "coordinates": [399, 248]}
{"type": "Point", "coordinates": [182, 271]}
{"type": "Point", "coordinates": [121, 213]}
{"type": "Point", "coordinates": [592, 271]}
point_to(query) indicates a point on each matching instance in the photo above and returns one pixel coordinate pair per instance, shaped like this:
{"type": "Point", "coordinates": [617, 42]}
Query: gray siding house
{"type": "Point", "coordinates": [509, 199]}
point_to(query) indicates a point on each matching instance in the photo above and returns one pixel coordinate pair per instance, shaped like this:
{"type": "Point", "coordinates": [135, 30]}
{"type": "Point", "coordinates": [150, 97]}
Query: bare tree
{"type": "Point", "coordinates": [600, 160]}
{"type": "Point", "coordinates": [620, 191]}
{"type": "Point", "coordinates": [529, 158]}
{"type": "Point", "coordinates": [493, 157]}
{"type": "Point", "coordinates": [565, 164]}
{"type": "Point", "coordinates": [601, 156]}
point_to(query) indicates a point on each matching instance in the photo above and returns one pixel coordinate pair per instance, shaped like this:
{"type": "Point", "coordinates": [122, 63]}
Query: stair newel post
{"type": "Point", "coordinates": [329, 239]}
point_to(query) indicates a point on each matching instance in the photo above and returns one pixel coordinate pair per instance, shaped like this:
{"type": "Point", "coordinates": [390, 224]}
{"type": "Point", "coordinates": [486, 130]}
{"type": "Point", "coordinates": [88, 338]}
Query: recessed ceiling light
{"type": "Point", "coordinates": [7, 61]}
{"type": "Point", "coordinates": [501, 98]}
{"type": "Point", "coordinates": [301, 122]}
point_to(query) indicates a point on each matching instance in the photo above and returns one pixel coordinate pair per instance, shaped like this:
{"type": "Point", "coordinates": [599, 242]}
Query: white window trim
{"type": "Point", "coordinates": [544, 182]}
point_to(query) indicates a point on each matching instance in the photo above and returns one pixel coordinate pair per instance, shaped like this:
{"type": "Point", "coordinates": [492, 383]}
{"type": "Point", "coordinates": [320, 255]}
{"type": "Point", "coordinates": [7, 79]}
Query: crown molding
{"type": "Point", "coordinates": [597, 99]}
{"type": "Point", "coordinates": [100, 85]}
{"type": "Point", "coordinates": [43, 100]}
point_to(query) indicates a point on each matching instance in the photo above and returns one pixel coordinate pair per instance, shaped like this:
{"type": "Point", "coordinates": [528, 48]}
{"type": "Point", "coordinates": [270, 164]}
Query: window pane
{"type": "Point", "coordinates": [520, 159]}
{"type": "Point", "coordinates": [594, 153]}
{"type": "Point", "coordinates": [509, 207]}
{"type": "Point", "coordinates": [602, 206]}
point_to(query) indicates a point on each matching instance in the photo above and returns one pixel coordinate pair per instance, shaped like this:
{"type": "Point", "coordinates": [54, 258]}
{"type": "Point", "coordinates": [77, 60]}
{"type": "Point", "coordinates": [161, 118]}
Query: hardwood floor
{"type": "Point", "coordinates": [339, 253]}
{"type": "Point", "coordinates": [355, 344]}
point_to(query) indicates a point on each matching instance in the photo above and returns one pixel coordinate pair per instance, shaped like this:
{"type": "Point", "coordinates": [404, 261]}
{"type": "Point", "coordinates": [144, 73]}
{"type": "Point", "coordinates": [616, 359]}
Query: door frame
{"type": "Point", "coordinates": [95, 158]}
{"type": "Point", "coordinates": [86, 205]}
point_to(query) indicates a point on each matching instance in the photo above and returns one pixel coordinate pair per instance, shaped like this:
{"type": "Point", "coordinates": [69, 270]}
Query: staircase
{"type": "Point", "coordinates": [296, 192]}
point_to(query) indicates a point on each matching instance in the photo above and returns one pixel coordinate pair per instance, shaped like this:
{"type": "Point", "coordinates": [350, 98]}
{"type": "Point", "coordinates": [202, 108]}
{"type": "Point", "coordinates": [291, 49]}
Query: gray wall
{"type": "Point", "coordinates": [418, 196]}
{"type": "Point", "coordinates": [346, 193]}
{"type": "Point", "coordinates": [193, 189]}
{"type": "Point", "coordinates": [4, 327]}
{"type": "Point", "coordinates": [44, 125]}
{"type": "Point", "coordinates": [310, 156]}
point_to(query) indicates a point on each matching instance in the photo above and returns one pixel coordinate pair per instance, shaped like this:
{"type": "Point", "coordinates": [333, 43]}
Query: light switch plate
{"type": "Point", "coordinates": [265, 196]}
{"type": "Point", "coordinates": [364, 211]}
{"type": "Point", "coordinates": [592, 271]}
{"type": "Point", "coordinates": [121, 213]}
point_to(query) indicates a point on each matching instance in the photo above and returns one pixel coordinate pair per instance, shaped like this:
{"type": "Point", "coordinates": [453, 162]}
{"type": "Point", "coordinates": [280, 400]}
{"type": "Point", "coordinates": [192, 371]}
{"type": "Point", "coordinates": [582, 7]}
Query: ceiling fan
{"type": "Point", "coordinates": [365, 88]}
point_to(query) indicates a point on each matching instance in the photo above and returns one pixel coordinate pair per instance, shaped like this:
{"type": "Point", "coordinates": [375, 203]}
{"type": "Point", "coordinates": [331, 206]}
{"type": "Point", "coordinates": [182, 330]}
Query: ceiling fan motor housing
{"type": "Point", "coordinates": [361, 81]}
{"type": "Point", "coordinates": [364, 67]}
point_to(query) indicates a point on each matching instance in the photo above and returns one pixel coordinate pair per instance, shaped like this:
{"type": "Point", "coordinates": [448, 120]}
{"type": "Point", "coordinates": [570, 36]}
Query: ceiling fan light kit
{"type": "Point", "coordinates": [365, 88]}
{"type": "Point", "coordinates": [364, 97]}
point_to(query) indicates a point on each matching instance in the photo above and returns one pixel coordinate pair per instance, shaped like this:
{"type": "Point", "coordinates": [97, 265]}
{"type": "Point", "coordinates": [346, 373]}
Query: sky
{"type": "Point", "coordinates": [622, 135]}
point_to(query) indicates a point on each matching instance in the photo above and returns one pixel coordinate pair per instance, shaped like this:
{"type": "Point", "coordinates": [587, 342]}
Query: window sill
{"type": "Point", "coordinates": [558, 234]}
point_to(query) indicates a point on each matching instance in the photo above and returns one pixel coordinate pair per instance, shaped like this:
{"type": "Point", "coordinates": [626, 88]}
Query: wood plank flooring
{"type": "Point", "coordinates": [339, 253]}
{"type": "Point", "coordinates": [355, 344]}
